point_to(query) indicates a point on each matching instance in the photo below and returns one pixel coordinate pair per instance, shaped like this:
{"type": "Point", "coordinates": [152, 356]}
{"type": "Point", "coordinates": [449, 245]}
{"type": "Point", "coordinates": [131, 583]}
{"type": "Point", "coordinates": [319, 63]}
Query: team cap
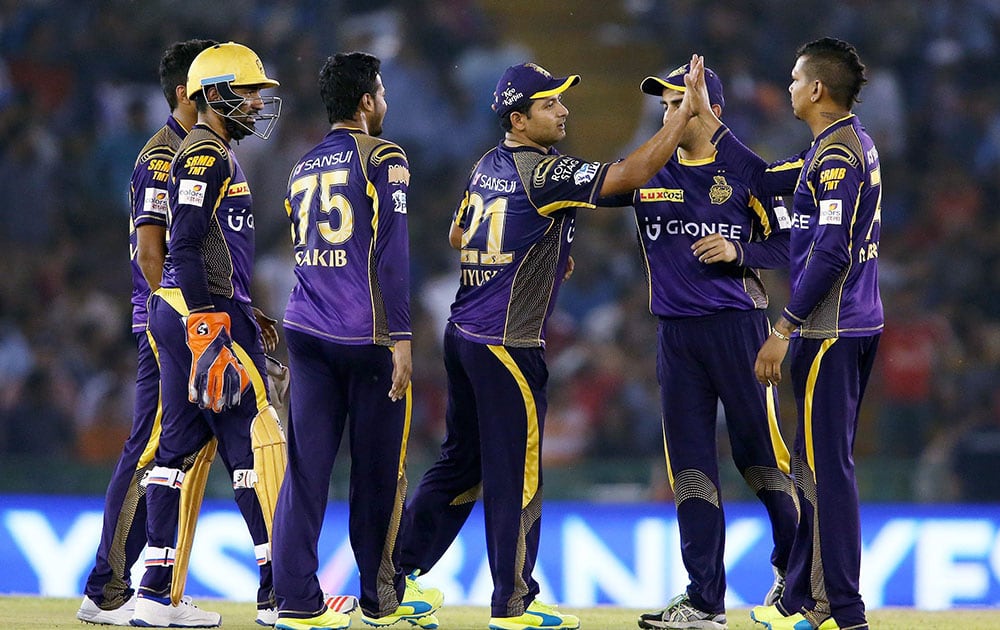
{"type": "Point", "coordinates": [675, 81]}
{"type": "Point", "coordinates": [527, 81]}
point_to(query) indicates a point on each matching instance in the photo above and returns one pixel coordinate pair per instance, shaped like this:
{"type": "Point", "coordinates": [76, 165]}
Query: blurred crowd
{"type": "Point", "coordinates": [79, 97]}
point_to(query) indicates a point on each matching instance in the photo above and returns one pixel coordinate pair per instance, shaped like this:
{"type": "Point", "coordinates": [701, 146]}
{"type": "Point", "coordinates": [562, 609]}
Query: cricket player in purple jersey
{"type": "Point", "coordinates": [209, 345]}
{"type": "Point", "coordinates": [108, 596]}
{"type": "Point", "coordinates": [347, 327]}
{"type": "Point", "coordinates": [514, 228]}
{"type": "Point", "coordinates": [703, 236]}
{"type": "Point", "coordinates": [831, 325]}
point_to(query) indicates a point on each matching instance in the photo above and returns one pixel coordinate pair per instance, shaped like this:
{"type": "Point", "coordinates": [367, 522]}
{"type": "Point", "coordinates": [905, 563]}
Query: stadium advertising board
{"type": "Point", "coordinates": [929, 557]}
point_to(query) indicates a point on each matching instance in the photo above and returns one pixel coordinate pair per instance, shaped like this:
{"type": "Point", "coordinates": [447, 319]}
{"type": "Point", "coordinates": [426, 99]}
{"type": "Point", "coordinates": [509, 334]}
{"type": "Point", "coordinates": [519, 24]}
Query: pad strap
{"type": "Point", "coordinates": [160, 556]}
{"type": "Point", "coordinates": [244, 478]}
{"type": "Point", "coordinates": [163, 476]}
{"type": "Point", "coordinates": [263, 553]}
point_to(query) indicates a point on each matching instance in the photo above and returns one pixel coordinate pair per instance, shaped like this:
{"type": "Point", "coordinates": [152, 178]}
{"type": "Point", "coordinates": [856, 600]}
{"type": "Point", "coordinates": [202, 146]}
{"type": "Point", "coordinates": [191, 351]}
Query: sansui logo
{"type": "Point", "coordinates": [202, 329]}
{"type": "Point", "coordinates": [495, 184]}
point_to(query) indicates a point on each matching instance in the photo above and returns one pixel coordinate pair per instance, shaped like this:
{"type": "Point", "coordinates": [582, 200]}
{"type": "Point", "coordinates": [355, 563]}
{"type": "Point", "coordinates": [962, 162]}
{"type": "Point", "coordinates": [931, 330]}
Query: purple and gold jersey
{"type": "Point", "coordinates": [347, 204]}
{"type": "Point", "coordinates": [148, 198]}
{"type": "Point", "coordinates": [835, 236]}
{"type": "Point", "coordinates": [517, 218]}
{"type": "Point", "coordinates": [688, 200]}
{"type": "Point", "coordinates": [836, 224]}
{"type": "Point", "coordinates": [210, 223]}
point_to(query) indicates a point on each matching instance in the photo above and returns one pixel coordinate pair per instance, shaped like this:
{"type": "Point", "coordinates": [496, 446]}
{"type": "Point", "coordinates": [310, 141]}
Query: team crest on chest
{"type": "Point", "coordinates": [720, 192]}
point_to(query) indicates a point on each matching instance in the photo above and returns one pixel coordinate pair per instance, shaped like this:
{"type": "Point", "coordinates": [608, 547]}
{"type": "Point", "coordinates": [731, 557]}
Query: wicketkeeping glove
{"type": "Point", "coordinates": [217, 379]}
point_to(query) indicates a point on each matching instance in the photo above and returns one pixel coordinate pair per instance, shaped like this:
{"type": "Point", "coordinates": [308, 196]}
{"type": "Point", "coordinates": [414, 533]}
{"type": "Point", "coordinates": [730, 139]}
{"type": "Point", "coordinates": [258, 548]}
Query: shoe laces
{"type": "Point", "coordinates": [413, 585]}
{"type": "Point", "coordinates": [677, 602]}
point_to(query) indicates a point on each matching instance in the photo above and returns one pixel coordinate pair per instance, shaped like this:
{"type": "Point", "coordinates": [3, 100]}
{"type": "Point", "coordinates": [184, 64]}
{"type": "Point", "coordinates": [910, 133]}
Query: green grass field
{"type": "Point", "coordinates": [52, 613]}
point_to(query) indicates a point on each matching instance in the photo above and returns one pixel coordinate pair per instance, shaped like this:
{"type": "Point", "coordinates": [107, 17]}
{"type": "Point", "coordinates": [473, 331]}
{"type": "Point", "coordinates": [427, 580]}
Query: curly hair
{"type": "Point", "coordinates": [344, 79]}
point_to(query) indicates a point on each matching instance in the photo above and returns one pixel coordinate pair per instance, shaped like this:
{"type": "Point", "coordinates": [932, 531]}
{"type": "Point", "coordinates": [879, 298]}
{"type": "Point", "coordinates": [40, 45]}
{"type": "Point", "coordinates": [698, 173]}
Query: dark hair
{"type": "Point", "coordinates": [344, 79]}
{"type": "Point", "coordinates": [200, 101]}
{"type": "Point", "coordinates": [837, 65]}
{"type": "Point", "coordinates": [175, 63]}
{"type": "Point", "coordinates": [523, 108]}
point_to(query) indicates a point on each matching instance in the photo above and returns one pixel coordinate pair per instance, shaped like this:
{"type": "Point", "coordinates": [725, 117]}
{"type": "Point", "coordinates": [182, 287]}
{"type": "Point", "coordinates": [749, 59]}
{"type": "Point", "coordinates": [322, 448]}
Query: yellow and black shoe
{"type": "Point", "coordinates": [417, 607]}
{"type": "Point", "coordinates": [538, 616]}
{"type": "Point", "coordinates": [328, 620]}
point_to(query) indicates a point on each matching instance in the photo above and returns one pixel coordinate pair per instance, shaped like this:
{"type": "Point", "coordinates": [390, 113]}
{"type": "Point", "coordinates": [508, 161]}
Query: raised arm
{"type": "Point", "coordinates": [640, 165]}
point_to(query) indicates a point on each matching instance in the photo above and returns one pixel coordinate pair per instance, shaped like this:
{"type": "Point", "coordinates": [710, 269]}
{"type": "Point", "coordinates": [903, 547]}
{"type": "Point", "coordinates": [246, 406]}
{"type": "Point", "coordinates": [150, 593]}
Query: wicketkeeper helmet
{"type": "Point", "coordinates": [229, 66]}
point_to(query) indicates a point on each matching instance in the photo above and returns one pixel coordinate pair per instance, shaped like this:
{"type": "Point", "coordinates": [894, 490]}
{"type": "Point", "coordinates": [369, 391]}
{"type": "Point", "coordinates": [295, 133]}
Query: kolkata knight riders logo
{"type": "Point", "coordinates": [720, 192]}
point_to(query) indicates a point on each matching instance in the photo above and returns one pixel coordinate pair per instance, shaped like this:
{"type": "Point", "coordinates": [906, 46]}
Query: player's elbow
{"type": "Point", "coordinates": [455, 237]}
{"type": "Point", "coordinates": [625, 177]}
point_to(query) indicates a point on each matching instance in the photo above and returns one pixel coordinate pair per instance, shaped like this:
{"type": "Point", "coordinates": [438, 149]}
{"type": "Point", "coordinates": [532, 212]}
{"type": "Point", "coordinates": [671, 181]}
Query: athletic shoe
{"type": "Point", "coordinates": [266, 616]}
{"type": "Point", "coordinates": [329, 620]}
{"type": "Point", "coordinates": [536, 617]}
{"type": "Point", "coordinates": [341, 603]}
{"type": "Point", "coordinates": [429, 622]}
{"type": "Point", "coordinates": [764, 614]}
{"type": "Point", "coordinates": [772, 619]}
{"type": "Point", "coordinates": [777, 587]}
{"type": "Point", "coordinates": [681, 613]}
{"type": "Point", "coordinates": [90, 612]}
{"type": "Point", "coordinates": [154, 612]}
{"type": "Point", "coordinates": [417, 604]}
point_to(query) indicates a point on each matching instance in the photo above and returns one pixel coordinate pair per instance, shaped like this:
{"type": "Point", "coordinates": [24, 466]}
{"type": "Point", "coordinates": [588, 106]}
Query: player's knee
{"type": "Point", "coordinates": [694, 484]}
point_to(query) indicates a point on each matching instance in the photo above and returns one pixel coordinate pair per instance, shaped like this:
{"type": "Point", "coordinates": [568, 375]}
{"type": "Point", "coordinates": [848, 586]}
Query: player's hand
{"type": "Point", "coordinates": [714, 248]}
{"type": "Point", "coordinates": [695, 101]}
{"type": "Point", "coordinates": [570, 266]}
{"type": "Point", "coordinates": [268, 329]}
{"type": "Point", "coordinates": [402, 370]}
{"type": "Point", "coordinates": [217, 379]}
{"type": "Point", "coordinates": [767, 367]}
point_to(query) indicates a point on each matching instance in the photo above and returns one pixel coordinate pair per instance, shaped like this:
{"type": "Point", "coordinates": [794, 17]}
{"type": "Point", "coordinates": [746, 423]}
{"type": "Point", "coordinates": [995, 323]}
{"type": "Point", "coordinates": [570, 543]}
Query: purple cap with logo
{"type": "Point", "coordinates": [675, 81]}
{"type": "Point", "coordinates": [527, 81]}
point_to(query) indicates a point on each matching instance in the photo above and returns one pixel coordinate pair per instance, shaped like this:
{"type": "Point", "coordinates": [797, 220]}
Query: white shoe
{"type": "Point", "coordinates": [341, 603]}
{"type": "Point", "coordinates": [90, 612]}
{"type": "Point", "coordinates": [681, 613]}
{"type": "Point", "coordinates": [150, 613]}
{"type": "Point", "coordinates": [267, 616]}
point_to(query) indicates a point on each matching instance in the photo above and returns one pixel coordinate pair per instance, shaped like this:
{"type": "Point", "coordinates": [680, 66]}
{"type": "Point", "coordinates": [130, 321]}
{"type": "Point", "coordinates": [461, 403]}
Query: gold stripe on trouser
{"type": "Point", "coordinates": [529, 489]}
{"type": "Point", "coordinates": [388, 601]}
{"type": "Point", "coordinates": [781, 456]}
{"type": "Point", "coordinates": [808, 405]}
{"type": "Point", "coordinates": [808, 483]}
{"type": "Point", "coordinates": [666, 453]}
{"type": "Point", "coordinates": [531, 458]}
{"type": "Point", "coordinates": [256, 380]}
{"type": "Point", "coordinates": [154, 436]}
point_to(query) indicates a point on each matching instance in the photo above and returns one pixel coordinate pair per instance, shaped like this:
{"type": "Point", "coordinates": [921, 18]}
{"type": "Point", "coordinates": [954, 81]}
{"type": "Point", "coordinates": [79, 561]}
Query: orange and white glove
{"type": "Point", "coordinates": [217, 379]}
